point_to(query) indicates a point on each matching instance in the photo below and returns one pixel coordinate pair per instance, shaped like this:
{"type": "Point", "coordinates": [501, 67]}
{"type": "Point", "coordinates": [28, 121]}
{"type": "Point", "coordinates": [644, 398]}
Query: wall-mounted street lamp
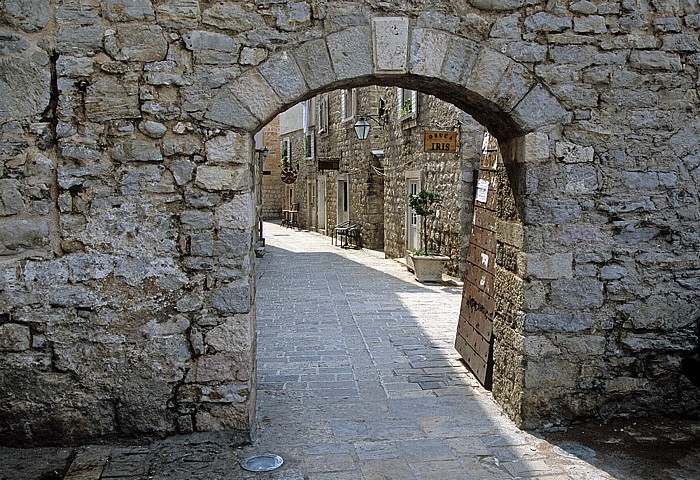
{"type": "Point", "coordinates": [362, 126]}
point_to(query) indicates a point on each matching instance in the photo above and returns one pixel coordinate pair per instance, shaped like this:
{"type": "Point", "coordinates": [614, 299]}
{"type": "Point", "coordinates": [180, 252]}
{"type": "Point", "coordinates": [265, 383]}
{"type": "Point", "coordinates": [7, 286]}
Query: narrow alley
{"type": "Point", "coordinates": [358, 377]}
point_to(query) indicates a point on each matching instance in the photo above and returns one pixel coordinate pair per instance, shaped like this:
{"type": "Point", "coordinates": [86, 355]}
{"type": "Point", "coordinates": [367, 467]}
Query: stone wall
{"type": "Point", "coordinates": [448, 174]}
{"type": "Point", "coordinates": [126, 212]}
{"type": "Point", "coordinates": [273, 188]}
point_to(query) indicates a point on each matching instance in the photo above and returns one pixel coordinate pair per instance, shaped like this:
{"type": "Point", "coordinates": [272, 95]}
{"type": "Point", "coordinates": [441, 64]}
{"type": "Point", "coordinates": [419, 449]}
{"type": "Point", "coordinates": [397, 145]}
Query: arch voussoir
{"type": "Point", "coordinates": [351, 53]}
{"type": "Point", "coordinates": [315, 64]}
{"type": "Point", "coordinates": [284, 76]}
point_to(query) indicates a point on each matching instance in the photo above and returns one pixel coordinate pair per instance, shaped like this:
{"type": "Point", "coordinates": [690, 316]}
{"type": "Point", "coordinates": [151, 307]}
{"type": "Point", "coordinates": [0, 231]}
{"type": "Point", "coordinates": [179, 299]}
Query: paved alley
{"type": "Point", "coordinates": [358, 380]}
{"type": "Point", "coordinates": [358, 377]}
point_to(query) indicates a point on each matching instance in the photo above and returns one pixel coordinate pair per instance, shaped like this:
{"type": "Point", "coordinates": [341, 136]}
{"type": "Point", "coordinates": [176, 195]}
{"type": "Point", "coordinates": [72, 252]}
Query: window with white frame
{"type": "Point", "coordinates": [285, 153]}
{"type": "Point", "coordinates": [348, 104]}
{"type": "Point", "coordinates": [310, 145]}
{"type": "Point", "coordinates": [407, 103]}
{"type": "Point", "coordinates": [322, 115]}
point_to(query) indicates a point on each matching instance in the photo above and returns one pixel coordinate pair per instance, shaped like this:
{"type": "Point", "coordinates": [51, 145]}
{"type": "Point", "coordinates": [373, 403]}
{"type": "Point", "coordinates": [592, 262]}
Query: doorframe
{"type": "Point", "coordinates": [411, 176]}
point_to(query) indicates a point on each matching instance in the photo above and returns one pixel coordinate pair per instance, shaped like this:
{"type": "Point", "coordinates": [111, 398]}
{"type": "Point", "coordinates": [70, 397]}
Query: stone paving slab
{"type": "Point", "coordinates": [358, 380]}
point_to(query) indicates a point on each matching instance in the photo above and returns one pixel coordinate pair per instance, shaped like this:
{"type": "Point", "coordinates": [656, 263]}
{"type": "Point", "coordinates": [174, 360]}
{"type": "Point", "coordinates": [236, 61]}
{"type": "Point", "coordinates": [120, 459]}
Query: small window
{"type": "Point", "coordinates": [286, 153]}
{"type": "Point", "coordinates": [407, 103]}
{"type": "Point", "coordinates": [322, 116]}
{"type": "Point", "coordinates": [309, 146]}
{"type": "Point", "coordinates": [348, 105]}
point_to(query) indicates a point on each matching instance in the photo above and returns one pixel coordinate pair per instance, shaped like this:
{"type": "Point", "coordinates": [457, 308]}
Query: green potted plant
{"type": "Point", "coordinates": [427, 265]}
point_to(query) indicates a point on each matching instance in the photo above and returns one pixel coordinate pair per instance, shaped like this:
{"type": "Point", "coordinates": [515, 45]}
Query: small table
{"type": "Point", "coordinates": [290, 218]}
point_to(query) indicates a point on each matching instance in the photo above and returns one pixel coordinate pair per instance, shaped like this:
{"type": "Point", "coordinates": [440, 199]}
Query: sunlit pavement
{"type": "Point", "coordinates": [358, 379]}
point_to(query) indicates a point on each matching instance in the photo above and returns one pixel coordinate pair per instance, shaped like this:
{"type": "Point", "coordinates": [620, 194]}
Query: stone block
{"type": "Point", "coordinates": [19, 235]}
{"type": "Point", "coordinates": [487, 72]}
{"type": "Point", "coordinates": [25, 87]}
{"type": "Point", "coordinates": [552, 210]}
{"type": "Point", "coordinates": [459, 60]}
{"type": "Point", "coordinates": [15, 337]}
{"type": "Point", "coordinates": [214, 417]}
{"type": "Point", "coordinates": [136, 43]}
{"type": "Point", "coordinates": [497, 5]}
{"type": "Point", "coordinates": [571, 153]}
{"type": "Point", "coordinates": [390, 44]}
{"type": "Point", "coordinates": [216, 178]}
{"type": "Point", "coordinates": [284, 76]}
{"type": "Point", "coordinates": [153, 129]}
{"type": "Point", "coordinates": [74, 67]}
{"type": "Point", "coordinates": [11, 201]}
{"type": "Point", "coordinates": [681, 42]}
{"type": "Point", "coordinates": [178, 14]}
{"type": "Point", "coordinates": [292, 16]}
{"type": "Point", "coordinates": [232, 244]}
{"type": "Point", "coordinates": [427, 51]}
{"type": "Point", "coordinates": [11, 44]}
{"type": "Point", "coordinates": [182, 170]}
{"type": "Point", "coordinates": [547, 22]}
{"type": "Point", "coordinates": [216, 368]}
{"type": "Point", "coordinates": [527, 52]}
{"type": "Point", "coordinates": [110, 99]}
{"type": "Point", "coordinates": [27, 15]}
{"type": "Point", "coordinates": [513, 86]}
{"type": "Point", "coordinates": [576, 293]}
{"type": "Point", "coordinates": [315, 63]}
{"type": "Point", "coordinates": [79, 40]}
{"type": "Point", "coordinates": [231, 393]}
{"type": "Point", "coordinates": [128, 10]}
{"type": "Point", "coordinates": [229, 148]}
{"type": "Point", "coordinates": [237, 214]}
{"type": "Point", "coordinates": [580, 179]}
{"type": "Point", "coordinates": [551, 372]}
{"type": "Point", "coordinates": [590, 24]}
{"type": "Point", "coordinates": [549, 266]}
{"type": "Point", "coordinates": [584, 6]}
{"type": "Point", "coordinates": [558, 323]}
{"type": "Point", "coordinates": [655, 60]}
{"type": "Point", "coordinates": [539, 109]}
{"type": "Point", "coordinates": [232, 299]}
{"type": "Point", "coordinates": [197, 219]}
{"type": "Point", "coordinates": [184, 145]}
{"type": "Point", "coordinates": [232, 16]}
{"type": "Point", "coordinates": [202, 244]}
{"type": "Point", "coordinates": [137, 151]}
{"type": "Point", "coordinates": [226, 110]}
{"type": "Point", "coordinates": [88, 266]}
{"type": "Point", "coordinates": [233, 336]}
{"type": "Point", "coordinates": [351, 52]}
{"type": "Point", "coordinates": [211, 48]}
{"type": "Point", "coordinates": [252, 56]}
{"type": "Point", "coordinates": [536, 148]}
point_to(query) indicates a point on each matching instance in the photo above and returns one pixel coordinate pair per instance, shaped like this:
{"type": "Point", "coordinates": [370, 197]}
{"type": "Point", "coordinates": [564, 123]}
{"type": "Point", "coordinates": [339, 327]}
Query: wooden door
{"type": "Point", "coordinates": [474, 339]}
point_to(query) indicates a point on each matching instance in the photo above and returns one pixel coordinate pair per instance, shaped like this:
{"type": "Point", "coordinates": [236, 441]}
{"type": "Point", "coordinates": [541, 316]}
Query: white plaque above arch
{"type": "Point", "coordinates": [390, 43]}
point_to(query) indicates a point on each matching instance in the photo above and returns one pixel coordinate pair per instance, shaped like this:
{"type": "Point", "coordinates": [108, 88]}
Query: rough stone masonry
{"type": "Point", "coordinates": [127, 196]}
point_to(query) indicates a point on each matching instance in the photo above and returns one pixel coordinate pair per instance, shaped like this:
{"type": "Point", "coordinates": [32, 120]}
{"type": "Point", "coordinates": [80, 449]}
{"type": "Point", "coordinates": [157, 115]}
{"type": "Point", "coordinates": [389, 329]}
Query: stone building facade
{"type": "Point", "coordinates": [272, 185]}
{"type": "Point", "coordinates": [127, 200]}
{"type": "Point", "coordinates": [380, 169]}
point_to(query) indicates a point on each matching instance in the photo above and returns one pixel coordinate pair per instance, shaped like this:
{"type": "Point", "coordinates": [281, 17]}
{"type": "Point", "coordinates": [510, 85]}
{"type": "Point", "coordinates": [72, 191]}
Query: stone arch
{"type": "Point", "coordinates": [503, 95]}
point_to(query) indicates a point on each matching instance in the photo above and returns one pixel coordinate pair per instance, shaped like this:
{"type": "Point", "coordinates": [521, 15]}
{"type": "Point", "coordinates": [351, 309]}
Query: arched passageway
{"type": "Point", "coordinates": [128, 197]}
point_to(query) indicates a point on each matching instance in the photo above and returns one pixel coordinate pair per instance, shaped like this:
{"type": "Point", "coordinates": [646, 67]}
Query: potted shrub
{"type": "Point", "coordinates": [427, 265]}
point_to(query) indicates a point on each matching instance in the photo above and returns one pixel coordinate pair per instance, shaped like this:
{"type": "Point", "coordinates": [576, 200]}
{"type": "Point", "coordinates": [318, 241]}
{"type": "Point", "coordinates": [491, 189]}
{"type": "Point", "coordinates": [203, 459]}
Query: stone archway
{"type": "Point", "coordinates": [497, 91]}
{"type": "Point", "coordinates": [126, 219]}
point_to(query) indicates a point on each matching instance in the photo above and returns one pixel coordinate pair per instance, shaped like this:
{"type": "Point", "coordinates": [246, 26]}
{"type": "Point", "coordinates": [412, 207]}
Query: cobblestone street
{"type": "Point", "coordinates": [357, 380]}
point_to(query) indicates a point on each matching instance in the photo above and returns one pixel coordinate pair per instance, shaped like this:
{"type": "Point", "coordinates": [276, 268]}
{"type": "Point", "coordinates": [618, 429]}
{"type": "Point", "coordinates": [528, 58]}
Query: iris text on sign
{"type": "Point", "coordinates": [440, 141]}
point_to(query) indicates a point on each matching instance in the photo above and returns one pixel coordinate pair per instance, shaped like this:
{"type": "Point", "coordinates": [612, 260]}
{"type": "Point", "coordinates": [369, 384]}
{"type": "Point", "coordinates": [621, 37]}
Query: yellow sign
{"type": "Point", "coordinates": [440, 141]}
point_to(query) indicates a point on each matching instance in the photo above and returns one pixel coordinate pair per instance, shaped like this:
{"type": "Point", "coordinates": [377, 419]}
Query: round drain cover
{"type": "Point", "coordinates": [262, 463]}
{"type": "Point", "coordinates": [574, 450]}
